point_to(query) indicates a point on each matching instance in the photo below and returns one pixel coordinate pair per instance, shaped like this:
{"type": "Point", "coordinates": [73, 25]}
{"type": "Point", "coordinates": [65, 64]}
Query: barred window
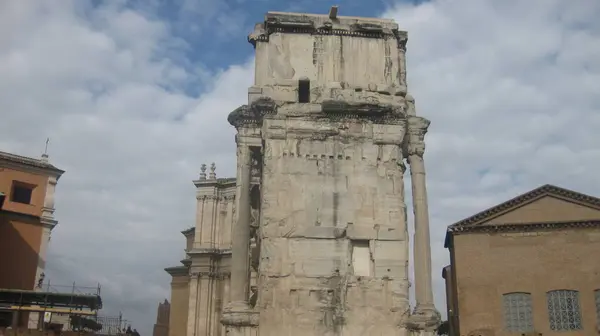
{"type": "Point", "coordinates": [518, 313]}
{"type": "Point", "coordinates": [597, 295]}
{"type": "Point", "coordinates": [564, 310]}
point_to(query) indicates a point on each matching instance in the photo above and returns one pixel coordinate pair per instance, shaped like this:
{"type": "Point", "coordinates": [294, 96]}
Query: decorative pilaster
{"type": "Point", "coordinates": [402, 38]}
{"type": "Point", "coordinates": [425, 318]}
{"type": "Point", "coordinates": [193, 305]}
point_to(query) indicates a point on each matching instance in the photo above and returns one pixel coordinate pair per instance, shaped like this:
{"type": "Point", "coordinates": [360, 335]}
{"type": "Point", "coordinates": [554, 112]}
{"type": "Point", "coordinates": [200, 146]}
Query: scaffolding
{"type": "Point", "coordinates": [112, 325]}
{"type": "Point", "coordinates": [60, 300]}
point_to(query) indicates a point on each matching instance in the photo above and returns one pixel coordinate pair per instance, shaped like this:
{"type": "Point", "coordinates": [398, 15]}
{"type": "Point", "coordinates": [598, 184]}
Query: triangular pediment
{"type": "Point", "coordinates": [545, 204]}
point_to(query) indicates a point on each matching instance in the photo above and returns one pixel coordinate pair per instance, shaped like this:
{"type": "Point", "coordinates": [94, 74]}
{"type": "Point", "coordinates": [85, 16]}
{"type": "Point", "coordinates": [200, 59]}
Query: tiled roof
{"type": "Point", "coordinates": [23, 160]}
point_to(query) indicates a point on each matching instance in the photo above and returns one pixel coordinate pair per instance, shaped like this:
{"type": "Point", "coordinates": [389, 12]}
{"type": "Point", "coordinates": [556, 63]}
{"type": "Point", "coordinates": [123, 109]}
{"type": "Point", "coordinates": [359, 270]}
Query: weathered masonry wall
{"type": "Point", "coordinates": [345, 58]}
{"type": "Point", "coordinates": [334, 237]}
{"type": "Point", "coordinates": [328, 58]}
{"type": "Point", "coordinates": [321, 152]}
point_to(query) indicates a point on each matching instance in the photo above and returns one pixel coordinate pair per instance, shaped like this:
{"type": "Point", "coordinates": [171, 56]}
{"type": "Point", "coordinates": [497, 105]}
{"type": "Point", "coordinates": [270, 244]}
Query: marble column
{"type": "Point", "coordinates": [240, 261]}
{"type": "Point", "coordinates": [425, 309]}
{"type": "Point", "coordinates": [238, 316]}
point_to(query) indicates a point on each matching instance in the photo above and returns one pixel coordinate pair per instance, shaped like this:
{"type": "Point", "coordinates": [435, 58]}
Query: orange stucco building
{"type": "Point", "coordinates": [26, 218]}
{"type": "Point", "coordinates": [528, 266]}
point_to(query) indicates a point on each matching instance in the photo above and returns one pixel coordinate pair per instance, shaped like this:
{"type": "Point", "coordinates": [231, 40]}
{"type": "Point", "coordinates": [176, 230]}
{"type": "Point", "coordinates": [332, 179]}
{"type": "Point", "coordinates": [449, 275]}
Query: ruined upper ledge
{"type": "Point", "coordinates": [320, 24]}
{"type": "Point", "coordinates": [264, 107]}
{"type": "Point", "coordinates": [324, 20]}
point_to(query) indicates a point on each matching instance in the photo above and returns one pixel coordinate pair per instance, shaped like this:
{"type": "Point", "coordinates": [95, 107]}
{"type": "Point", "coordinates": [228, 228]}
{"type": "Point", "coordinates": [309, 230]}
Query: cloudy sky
{"type": "Point", "coordinates": [134, 97]}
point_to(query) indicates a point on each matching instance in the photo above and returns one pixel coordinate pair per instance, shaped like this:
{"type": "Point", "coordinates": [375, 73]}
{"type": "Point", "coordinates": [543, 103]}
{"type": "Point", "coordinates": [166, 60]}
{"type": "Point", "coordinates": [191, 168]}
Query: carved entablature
{"type": "Point", "coordinates": [323, 25]}
{"type": "Point", "coordinates": [211, 274]}
{"type": "Point", "coordinates": [252, 115]}
{"type": "Point", "coordinates": [373, 112]}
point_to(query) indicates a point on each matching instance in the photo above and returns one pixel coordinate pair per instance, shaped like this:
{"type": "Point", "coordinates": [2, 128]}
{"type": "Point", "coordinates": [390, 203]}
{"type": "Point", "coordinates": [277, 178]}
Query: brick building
{"type": "Point", "coordinates": [528, 266]}
{"type": "Point", "coordinates": [26, 219]}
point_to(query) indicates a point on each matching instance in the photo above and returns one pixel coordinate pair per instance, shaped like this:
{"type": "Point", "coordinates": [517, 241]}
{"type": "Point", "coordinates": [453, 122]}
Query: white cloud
{"type": "Point", "coordinates": [511, 89]}
{"type": "Point", "coordinates": [100, 84]}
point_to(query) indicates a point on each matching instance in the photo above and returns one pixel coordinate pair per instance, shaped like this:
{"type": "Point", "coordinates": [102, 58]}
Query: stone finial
{"type": "Point", "coordinates": [212, 175]}
{"type": "Point", "coordinates": [203, 172]}
{"type": "Point", "coordinates": [45, 158]}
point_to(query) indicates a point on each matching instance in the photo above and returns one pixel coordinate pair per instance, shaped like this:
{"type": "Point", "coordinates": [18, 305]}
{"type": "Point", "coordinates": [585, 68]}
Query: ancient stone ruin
{"type": "Point", "coordinates": [313, 230]}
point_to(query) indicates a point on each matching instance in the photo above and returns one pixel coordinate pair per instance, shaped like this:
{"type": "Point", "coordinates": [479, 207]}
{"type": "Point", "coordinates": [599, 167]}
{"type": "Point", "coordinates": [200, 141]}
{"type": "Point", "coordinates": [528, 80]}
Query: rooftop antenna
{"type": "Point", "coordinates": [45, 155]}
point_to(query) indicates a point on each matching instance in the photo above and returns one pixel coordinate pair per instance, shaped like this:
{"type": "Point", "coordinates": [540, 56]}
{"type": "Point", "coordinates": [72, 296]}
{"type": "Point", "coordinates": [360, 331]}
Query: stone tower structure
{"type": "Point", "coordinates": [320, 212]}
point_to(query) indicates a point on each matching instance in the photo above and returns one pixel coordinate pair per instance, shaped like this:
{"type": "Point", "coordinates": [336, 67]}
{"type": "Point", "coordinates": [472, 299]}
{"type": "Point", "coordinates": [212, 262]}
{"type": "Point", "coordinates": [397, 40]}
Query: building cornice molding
{"type": "Point", "coordinates": [30, 165]}
{"type": "Point", "coordinates": [219, 274]}
{"type": "Point", "coordinates": [252, 115]}
{"type": "Point", "coordinates": [199, 251]}
{"type": "Point", "coordinates": [189, 231]}
{"type": "Point", "coordinates": [177, 270]}
{"type": "Point", "coordinates": [311, 24]}
{"type": "Point", "coordinates": [21, 215]}
{"type": "Point", "coordinates": [219, 183]}
{"type": "Point", "coordinates": [48, 223]}
{"type": "Point", "coordinates": [525, 227]}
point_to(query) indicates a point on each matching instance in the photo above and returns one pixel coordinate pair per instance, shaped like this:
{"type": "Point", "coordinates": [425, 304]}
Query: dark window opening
{"type": "Point", "coordinates": [303, 91]}
{"type": "Point", "coordinates": [21, 193]}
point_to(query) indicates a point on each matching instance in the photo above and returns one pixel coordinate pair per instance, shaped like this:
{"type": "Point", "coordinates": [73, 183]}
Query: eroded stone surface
{"type": "Point", "coordinates": [319, 237]}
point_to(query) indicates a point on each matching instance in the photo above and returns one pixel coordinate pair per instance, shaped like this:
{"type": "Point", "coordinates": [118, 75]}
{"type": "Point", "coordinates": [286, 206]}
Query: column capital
{"type": "Point", "coordinates": [417, 128]}
{"type": "Point", "coordinates": [425, 318]}
{"type": "Point", "coordinates": [417, 125]}
{"type": "Point", "coordinates": [402, 38]}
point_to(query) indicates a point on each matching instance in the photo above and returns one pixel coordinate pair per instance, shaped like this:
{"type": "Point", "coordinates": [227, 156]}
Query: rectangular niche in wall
{"type": "Point", "coordinates": [361, 258]}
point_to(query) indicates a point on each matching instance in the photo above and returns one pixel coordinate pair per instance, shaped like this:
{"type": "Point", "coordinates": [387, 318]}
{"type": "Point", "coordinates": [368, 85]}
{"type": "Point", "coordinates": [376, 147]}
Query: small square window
{"type": "Point", "coordinates": [21, 193]}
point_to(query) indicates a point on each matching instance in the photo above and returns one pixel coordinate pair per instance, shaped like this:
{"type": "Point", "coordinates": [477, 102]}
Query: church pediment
{"type": "Point", "coordinates": [546, 204]}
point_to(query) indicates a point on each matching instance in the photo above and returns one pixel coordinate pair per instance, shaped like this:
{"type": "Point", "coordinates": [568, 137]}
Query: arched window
{"type": "Point", "coordinates": [564, 311]}
{"type": "Point", "coordinates": [518, 313]}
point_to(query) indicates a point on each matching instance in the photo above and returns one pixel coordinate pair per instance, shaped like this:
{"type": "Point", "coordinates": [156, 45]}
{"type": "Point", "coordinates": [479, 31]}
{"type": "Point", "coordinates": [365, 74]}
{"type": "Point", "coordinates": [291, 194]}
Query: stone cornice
{"type": "Point", "coordinates": [253, 114]}
{"type": "Point", "coordinates": [21, 216]}
{"type": "Point", "coordinates": [189, 231]}
{"type": "Point", "coordinates": [31, 165]}
{"type": "Point", "coordinates": [208, 251]}
{"type": "Point", "coordinates": [219, 183]}
{"type": "Point", "coordinates": [219, 274]}
{"type": "Point", "coordinates": [177, 270]}
{"type": "Point", "coordinates": [293, 23]}
{"type": "Point", "coordinates": [48, 223]}
{"type": "Point", "coordinates": [545, 190]}
{"type": "Point", "coordinates": [525, 227]}
{"type": "Point", "coordinates": [373, 112]}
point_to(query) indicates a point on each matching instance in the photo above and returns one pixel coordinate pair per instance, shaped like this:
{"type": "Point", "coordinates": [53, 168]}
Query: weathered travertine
{"type": "Point", "coordinates": [329, 104]}
{"type": "Point", "coordinates": [425, 315]}
{"type": "Point", "coordinates": [319, 235]}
